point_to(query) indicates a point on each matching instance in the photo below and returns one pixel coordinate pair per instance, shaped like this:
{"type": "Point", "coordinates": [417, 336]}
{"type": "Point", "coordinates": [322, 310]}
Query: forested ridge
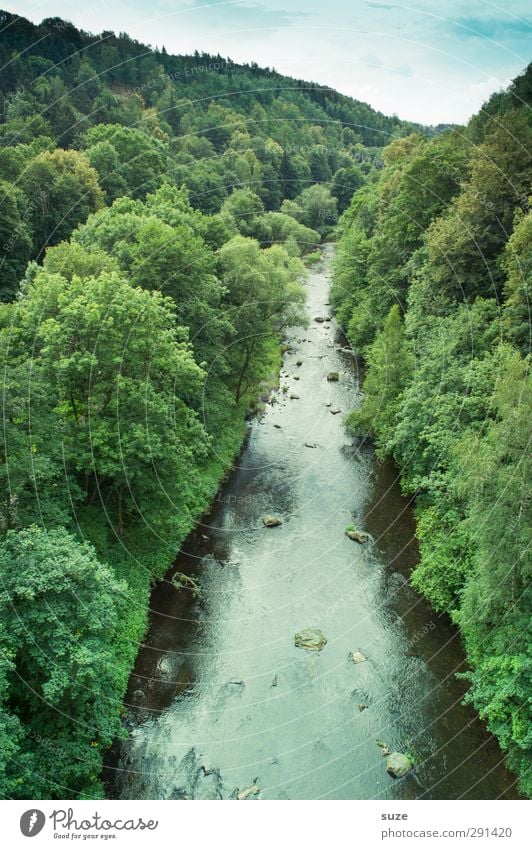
{"type": "Point", "coordinates": [432, 284]}
{"type": "Point", "coordinates": [156, 216]}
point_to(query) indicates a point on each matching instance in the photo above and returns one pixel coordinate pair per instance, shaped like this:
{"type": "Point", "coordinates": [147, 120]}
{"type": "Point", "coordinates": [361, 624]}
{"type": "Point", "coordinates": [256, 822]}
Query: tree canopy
{"type": "Point", "coordinates": [432, 283]}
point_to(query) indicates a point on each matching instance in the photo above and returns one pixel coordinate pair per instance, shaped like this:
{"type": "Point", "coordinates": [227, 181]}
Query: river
{"type": "Point", "coordinates": [221, 700]}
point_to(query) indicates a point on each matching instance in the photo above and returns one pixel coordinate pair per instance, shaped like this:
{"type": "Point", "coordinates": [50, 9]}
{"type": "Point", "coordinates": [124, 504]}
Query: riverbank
{"type": "Point", "coordinates": [221, 700]}
{"type": "Point", "coordinates": [143, 564]}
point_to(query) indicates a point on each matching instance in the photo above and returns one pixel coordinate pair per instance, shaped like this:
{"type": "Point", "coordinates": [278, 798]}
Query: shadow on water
{"type": "Point", "coordinates": [221, 701]}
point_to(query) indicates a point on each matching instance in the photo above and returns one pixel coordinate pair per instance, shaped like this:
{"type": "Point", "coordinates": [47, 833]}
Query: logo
{"type": "Point", "coordinates": [32, 822]}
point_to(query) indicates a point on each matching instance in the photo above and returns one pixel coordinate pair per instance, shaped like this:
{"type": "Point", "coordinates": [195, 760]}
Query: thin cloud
{"type": "Point", "coordinates": [494, 28]}
{"type": "Point", "coordinates": [240, 14]}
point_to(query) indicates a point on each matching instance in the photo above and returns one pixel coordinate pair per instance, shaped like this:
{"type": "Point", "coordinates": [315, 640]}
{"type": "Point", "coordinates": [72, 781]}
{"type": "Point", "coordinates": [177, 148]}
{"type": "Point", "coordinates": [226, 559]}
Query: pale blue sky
{"type": "Point", "coordinates": [428, 61]}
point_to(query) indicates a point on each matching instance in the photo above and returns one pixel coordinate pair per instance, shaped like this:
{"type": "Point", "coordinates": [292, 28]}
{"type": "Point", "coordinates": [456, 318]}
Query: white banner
{"type": "Point", "coordinates": [313, 825]}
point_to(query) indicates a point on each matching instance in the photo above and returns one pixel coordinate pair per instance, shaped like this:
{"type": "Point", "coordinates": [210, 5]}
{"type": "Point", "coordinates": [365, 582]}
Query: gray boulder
{"type": "Point", "coordinates": [270, 521]}
{"type": "Point", "coordinates": [310, 638]}
{"type": "Point", "coordinates": [357, 536]}
{"type": "Point", "coordinates": [248, 792]}
{"type": "Point", "coordinates": [398, 765]}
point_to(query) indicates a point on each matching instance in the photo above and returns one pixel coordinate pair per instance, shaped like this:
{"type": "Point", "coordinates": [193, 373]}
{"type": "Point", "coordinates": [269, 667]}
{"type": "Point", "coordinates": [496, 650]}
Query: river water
{"type": "Point", "coordinates": [221, 699]}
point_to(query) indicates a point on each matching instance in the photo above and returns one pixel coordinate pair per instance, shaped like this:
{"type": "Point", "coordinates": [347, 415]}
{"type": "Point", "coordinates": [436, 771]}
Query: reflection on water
{"type": "Point", "coordinates": [222, 702]}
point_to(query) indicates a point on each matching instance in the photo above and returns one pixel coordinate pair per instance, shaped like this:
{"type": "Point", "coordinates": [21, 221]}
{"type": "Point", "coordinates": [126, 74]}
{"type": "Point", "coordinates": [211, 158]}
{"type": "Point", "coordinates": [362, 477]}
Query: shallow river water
{"type": "Point", "coordinates": [222, 700]}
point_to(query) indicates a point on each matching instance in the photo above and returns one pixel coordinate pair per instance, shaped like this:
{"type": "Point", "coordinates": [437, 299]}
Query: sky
{"type": "Point", "coordinates": [435, 61]}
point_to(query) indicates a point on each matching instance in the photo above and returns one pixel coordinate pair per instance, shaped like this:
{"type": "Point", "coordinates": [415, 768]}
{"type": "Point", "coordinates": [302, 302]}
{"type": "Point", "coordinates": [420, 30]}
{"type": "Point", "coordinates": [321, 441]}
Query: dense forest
{"type": "Point", "coordinates": [156, 216]}
{"type": "Point", "coordinates": [432, 284]}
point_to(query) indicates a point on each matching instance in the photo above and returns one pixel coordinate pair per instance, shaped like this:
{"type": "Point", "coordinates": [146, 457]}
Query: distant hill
{"type": "Point", "coordinates": [56, 51]}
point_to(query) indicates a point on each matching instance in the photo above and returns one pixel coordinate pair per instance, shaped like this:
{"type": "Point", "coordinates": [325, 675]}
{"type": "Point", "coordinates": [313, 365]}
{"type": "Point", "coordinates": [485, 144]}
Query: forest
{"type": "Point", "coordinates": [158, 214]}
{"type": "Point", "coordinates": [432, 284]}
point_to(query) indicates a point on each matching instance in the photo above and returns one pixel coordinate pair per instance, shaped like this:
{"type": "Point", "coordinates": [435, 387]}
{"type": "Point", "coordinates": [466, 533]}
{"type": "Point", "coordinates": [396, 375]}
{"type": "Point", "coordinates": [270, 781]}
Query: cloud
{"type": "Point", "coordinates": [371, 60]}
{"type": "Point", "coordinates": [498, 29]}
{"type": "Point", "coordinates": [383, 5]}
{"type": "Point", "coordinates": [472, 97]}
{"type": "Point", "coordinates": [239, 14]}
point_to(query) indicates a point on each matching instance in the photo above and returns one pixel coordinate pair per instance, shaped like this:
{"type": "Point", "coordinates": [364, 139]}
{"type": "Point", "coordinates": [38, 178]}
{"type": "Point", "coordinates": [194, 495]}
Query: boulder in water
{"type": "Point", "coordinates": [357, 657]}
{"type": "Point", "coordinates": [270, 521]}
{"type": "Point", "coordinates": [310, 638]}
{"type": "Point", "coordinates": [319, 319]}
{"type": "Point", "coordinates": [357, 536]}
{"type": "Point", "coordinates": [242, 795]}
{"type": "Point", "coordinates": [398, 765]}
{"type": "Point", "coordinates": [333, 376]}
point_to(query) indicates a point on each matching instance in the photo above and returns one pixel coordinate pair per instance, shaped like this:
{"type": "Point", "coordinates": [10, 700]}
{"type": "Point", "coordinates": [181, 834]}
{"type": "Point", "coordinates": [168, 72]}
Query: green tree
{"type": "Point", "coordinates": [15, 239]}
{"type": "Point", "coordinates": [465, 245]}
{"type": "Point", "coordinates": [59, 606]}
{"type": "Point", "coordinates": [170, 258]}
{"type": "Point", "coordinates": [61, 190]}
{"type": "Point", "coordinates": [244, 206]}
{"type": "Point", "coordinates": [105, 161]}
{"type": "Point", "coordinates": [319, 208]}
{"type": "Point", "coordinates": [517, 263]}
{"type": "Point", "coordinates": [493, 478]}
{"type": "Point", "coordinates": [264, 297]}
{"type": "Point", "coordinates": [346, 182]}
{"type": "Point", "coordinates": [388, 370]}
{"type": "Point", "coordinates": [142, 158]}
{"type": "Point", "coordinates": [122, 380]}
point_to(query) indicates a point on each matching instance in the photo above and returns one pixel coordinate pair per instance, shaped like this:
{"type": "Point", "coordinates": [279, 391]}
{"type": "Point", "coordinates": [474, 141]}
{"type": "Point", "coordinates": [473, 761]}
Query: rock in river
{"type": "Point", "coordinates": [242, 795]}
{"type": "Point", "coordinates": [310, 638]}
{"type": "Point", "coordinates": [333, 376]}
{"type": "Point", "coordinates": [357, 657]}
{"type": "Point", "coordinates": [319, 319]}
{"type": "Point", "coordinates": [271, 521]}
{"type": "Point", "coordinates": [357, 536]}
{"type": "Point", "coordinates": [398, 765]}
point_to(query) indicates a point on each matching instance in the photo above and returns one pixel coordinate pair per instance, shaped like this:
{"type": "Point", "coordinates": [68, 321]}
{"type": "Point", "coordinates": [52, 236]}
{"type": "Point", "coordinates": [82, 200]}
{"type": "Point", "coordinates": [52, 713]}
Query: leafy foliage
{"type": "Point", "coordinates": [59, 604]}
{"type": "Point", "coordinates": [147, 274]}
{"type": "Point", "coordinates": [443, 233]}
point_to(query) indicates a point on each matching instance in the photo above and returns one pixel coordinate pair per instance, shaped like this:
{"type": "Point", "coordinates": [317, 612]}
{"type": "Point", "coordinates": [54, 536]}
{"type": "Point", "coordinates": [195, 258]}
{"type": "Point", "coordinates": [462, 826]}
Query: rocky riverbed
{"type": "Point", "coordinates": [307, 668]}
